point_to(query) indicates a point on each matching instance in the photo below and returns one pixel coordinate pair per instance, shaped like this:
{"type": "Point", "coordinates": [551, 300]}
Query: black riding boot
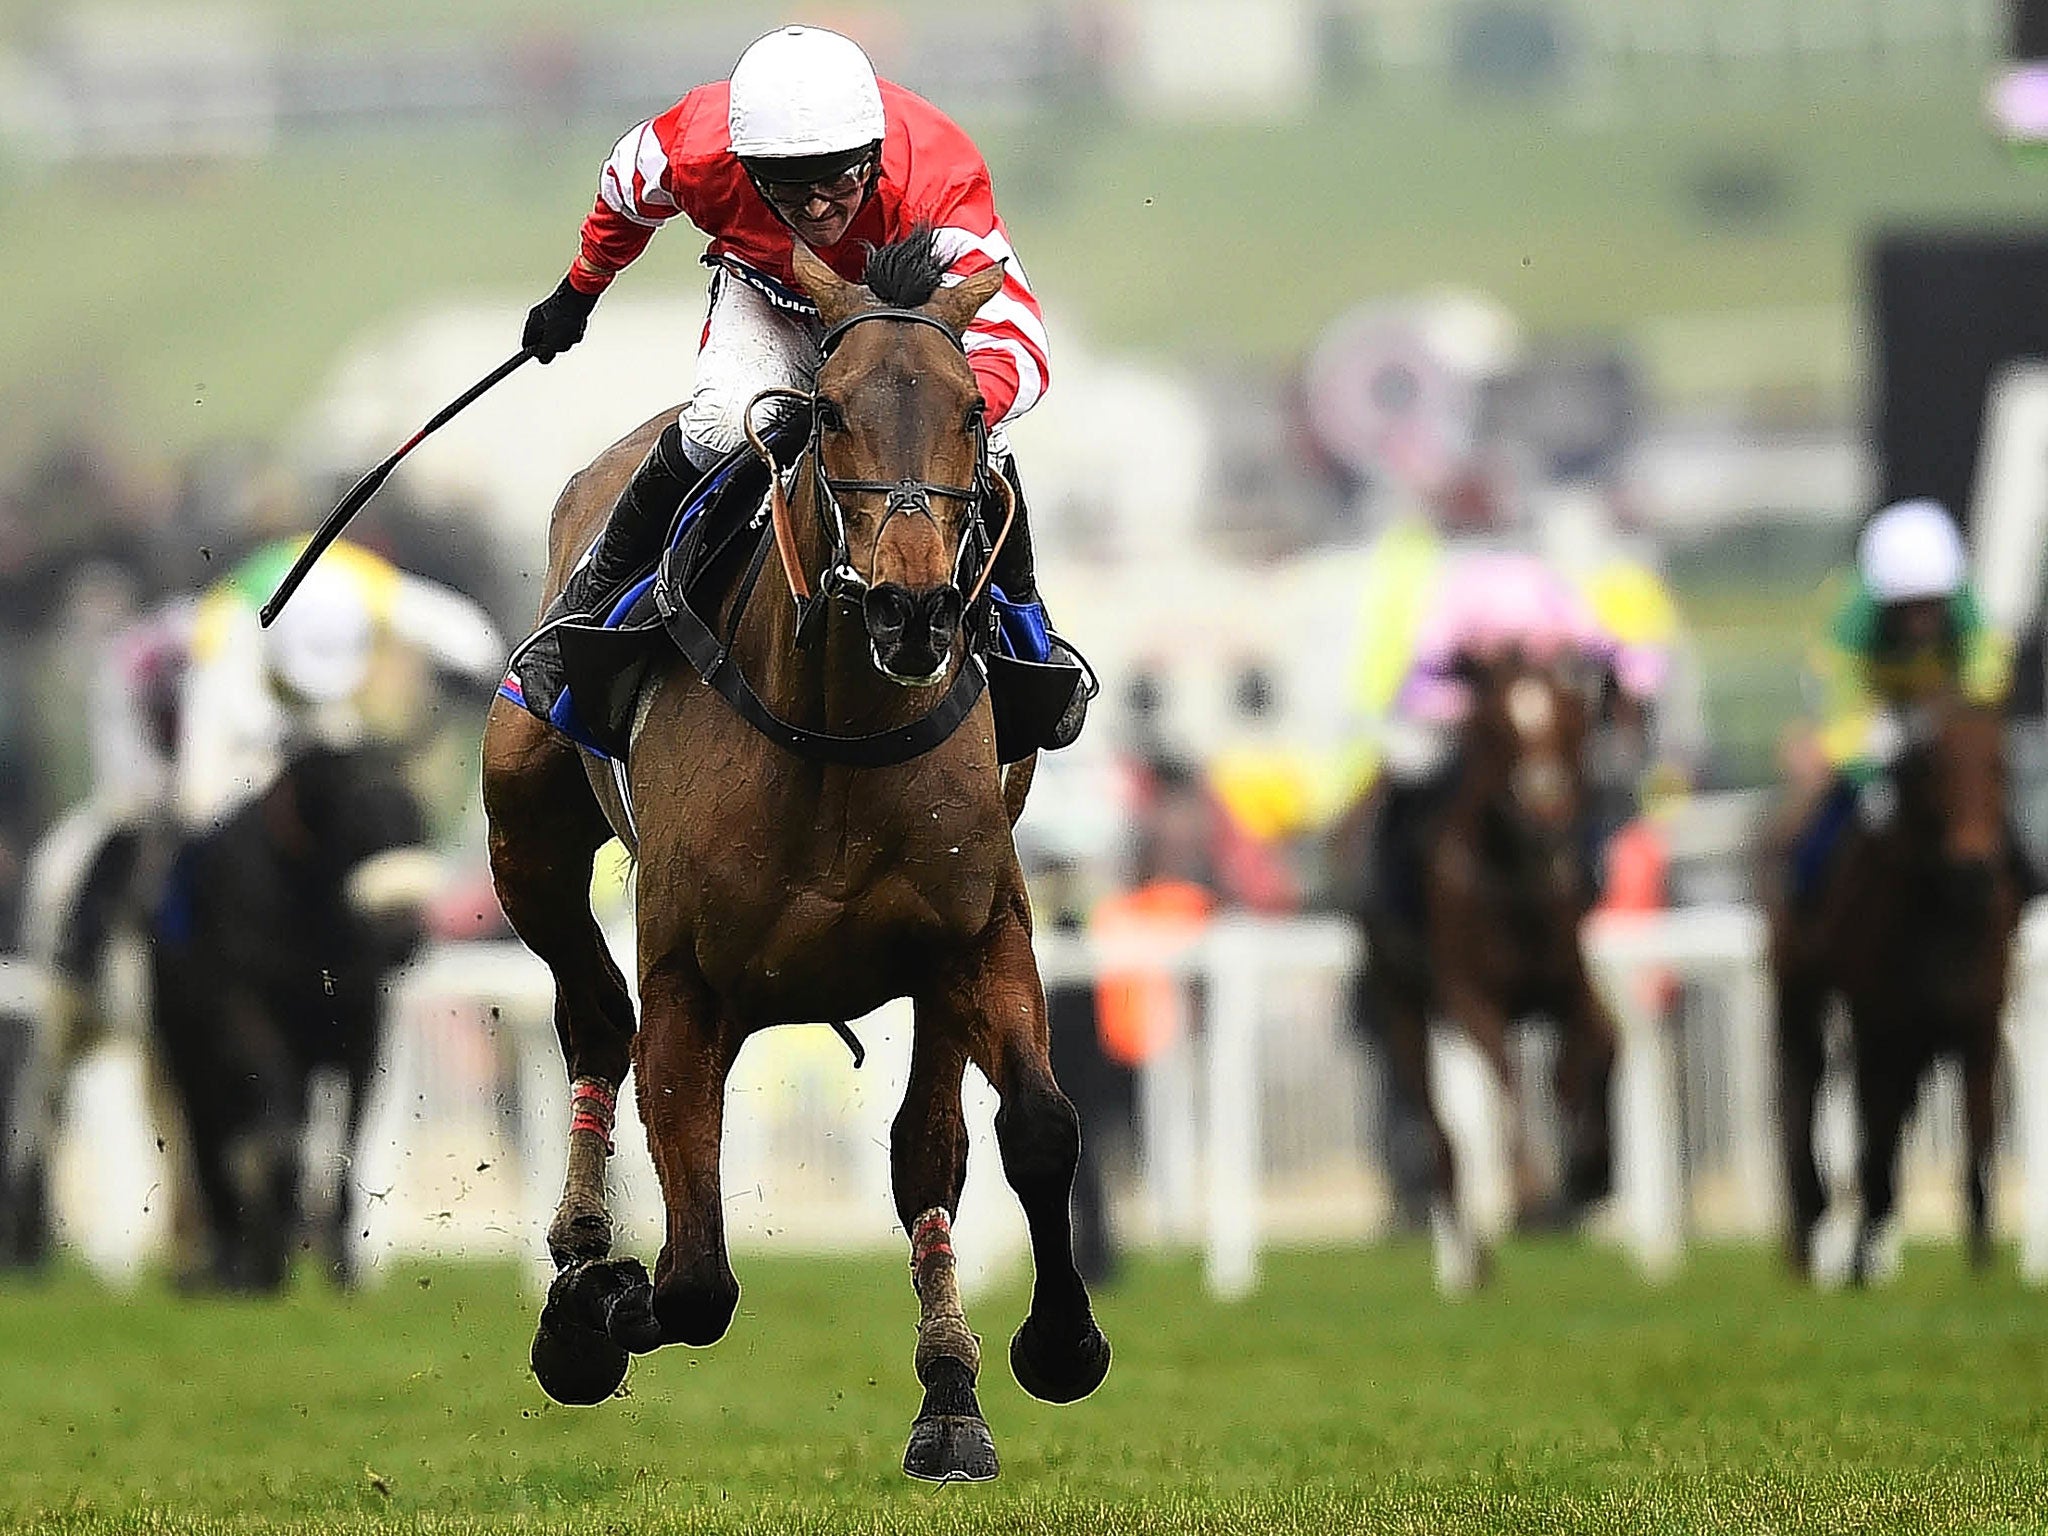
{"type": "Point", "coordinates": [1025, 623]}
{"type": "Point", "coordinates": [629, 545]}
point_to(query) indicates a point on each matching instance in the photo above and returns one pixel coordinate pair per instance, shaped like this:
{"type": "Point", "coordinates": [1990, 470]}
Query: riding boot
{"type": "Point", "coordinates": [629, 545]}
{"type": "Point", "coordinates": [1020, 611]}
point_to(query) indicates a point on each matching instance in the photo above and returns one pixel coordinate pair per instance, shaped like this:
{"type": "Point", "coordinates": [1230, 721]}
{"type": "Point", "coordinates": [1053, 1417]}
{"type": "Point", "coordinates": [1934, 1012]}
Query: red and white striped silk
{"type": "Point", "coordinates": [682, 163]}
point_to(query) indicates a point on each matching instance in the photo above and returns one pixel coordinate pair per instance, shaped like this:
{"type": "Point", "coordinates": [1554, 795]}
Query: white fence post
{"type": "Point", "coordinates": [1649, 1181]}
{"type": "Point", "coordinates": [2027, 1039]}
{"type": "Point", "coordinates": [1232, 953]}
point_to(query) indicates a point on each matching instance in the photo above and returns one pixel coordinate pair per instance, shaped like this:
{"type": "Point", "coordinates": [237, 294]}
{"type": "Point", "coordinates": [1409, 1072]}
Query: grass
{"type": "Point", "coordinates": [1343, 1397]}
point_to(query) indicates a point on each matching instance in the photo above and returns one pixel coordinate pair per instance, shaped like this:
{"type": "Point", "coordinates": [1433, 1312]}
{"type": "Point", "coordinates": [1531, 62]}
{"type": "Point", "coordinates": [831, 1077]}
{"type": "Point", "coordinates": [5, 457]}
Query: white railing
{"type": "Point", "coordinates": [1251, 1124]}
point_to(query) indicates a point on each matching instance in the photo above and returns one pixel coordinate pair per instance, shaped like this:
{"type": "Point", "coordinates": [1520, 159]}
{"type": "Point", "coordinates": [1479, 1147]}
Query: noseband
{"type": "Point", "coordinates": [905, 497]}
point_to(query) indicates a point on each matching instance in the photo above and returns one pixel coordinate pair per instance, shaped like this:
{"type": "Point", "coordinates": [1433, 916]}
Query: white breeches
{"type": "Point", "coordinates": [750, 345]}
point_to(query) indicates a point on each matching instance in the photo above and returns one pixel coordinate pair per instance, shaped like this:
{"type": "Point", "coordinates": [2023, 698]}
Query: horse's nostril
{"type": "Point", "coordinates": [887, 610]}
{"type": "Point", "coordinates": [942, 611]}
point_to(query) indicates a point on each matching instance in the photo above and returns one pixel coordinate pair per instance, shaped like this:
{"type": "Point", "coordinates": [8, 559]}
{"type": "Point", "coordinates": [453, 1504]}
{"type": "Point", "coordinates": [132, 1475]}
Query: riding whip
{"type": "Point", "coordinates": [369, 485]}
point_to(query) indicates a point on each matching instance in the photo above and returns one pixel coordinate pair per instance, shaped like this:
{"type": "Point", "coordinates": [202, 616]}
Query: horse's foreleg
{"type": "Point", "coordinates": [683, 1055]}
{"type": "Point", "coordinates": [1980, 1058]}
{"type": "Point", "coordinates": [1058, 1355]}
{"type": "Point", "coordinates": [601, 1310]}
{"type": "Point", "coordinates": [928, 1161]}
{"type": "Point", "coordinates": [545, 829]}
{"type": "Point", "coordinates": [1802, 1061]}
{"type": "Point", "coordinates": [1458, 1259]}
{"type": "Point", "coordinates": [1887, 1080]}
{"type": "Point", "coordinates": [1508, 1189]}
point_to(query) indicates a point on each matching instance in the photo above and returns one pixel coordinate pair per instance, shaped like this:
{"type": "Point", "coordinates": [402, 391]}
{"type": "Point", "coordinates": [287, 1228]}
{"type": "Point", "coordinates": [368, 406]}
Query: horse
{"type": "Point", "coordinates": [1911, 924]}
{"type": "Point", "coordinates": [1475, 920]}
{"type": "Point", "coordinates": [269, 948]}
{"type": "Point", "coordinates": [778, 887]}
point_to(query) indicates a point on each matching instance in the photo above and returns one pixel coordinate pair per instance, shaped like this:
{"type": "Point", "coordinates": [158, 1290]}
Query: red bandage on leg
{"type": "Point", "coordinates": [592, 1104]}
{"type": "Point", "coordinates": [931, 1234]}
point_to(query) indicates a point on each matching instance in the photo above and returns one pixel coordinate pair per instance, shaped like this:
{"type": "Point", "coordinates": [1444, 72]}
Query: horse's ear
{"type": "Point", "coordinates": [962, 301]}
{"type": "Point", "coordinates": [835, 297]}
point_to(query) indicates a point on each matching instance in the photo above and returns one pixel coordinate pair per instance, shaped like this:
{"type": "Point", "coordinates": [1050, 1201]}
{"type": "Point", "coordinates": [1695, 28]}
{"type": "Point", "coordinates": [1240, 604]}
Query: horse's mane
{"type": "Point", "coordinates": [905, 273]}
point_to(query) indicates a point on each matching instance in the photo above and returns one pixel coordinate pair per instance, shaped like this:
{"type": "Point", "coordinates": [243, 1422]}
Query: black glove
{"type": "Point", "coordinates": [555, 324]}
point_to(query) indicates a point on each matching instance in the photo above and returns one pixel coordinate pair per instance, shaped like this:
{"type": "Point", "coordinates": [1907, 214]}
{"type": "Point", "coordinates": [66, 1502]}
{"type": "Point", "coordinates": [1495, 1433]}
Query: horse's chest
{"type": "Point", "coordinates": [1514, 922]}
{"type": "Point", "coordinates": [820, 920]}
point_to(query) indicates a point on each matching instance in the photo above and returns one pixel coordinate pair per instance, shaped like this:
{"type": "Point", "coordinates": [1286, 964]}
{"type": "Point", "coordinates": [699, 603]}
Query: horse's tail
{"type": "Point", "coordinates": [1017, 784]}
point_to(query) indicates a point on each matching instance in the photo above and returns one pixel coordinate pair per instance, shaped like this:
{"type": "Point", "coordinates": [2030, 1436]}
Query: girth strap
{"type": "Point", "coordinates": [714, 662]}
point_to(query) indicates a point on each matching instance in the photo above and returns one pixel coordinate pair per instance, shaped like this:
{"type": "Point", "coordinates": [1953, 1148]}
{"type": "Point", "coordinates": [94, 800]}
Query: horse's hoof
{"type": "Point", "coordinates": [1056, 1372]}
{"type": "Point", "coordinates": [576, 1357]}
{"type": "Point", "coordinates": [696, 1314]}
{"type": "Point", "coordinates": [950, 1448]}
{"type": "Point", "coordinates": [575, 1363]}
{"type": "Point", "coordinates": [629, 1319]}
{"type": "Point", "coordinates": [576, 1236]}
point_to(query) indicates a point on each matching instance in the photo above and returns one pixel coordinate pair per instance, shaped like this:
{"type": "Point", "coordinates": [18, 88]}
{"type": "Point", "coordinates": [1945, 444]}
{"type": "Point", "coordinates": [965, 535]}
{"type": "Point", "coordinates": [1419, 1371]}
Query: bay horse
{"type": "Point", "coordinates": [1475, 921]}
{"type": "Point", "coordinates": [1911, 925]}
{"type": "Point", "coordinates": [779, 888]}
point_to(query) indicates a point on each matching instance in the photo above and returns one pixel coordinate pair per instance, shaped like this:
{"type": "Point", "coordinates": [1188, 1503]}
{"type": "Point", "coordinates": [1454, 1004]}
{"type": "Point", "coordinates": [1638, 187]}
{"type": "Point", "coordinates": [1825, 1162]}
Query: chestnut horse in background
{"type": "Point", "coordinates": [774, 888]}
{"type": "Point", "coordinates": [1912, 925]}
{"type": "Point", "coordinates": [1489, 933]}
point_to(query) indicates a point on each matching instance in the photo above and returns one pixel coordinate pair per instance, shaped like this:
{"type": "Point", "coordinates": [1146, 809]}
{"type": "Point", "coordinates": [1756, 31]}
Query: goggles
{"type": "Point", "coordinates": [793, 196]}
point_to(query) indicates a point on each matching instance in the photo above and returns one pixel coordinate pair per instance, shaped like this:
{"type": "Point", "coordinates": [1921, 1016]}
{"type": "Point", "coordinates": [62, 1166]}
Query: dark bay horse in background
{"type": "Point", "coordinates": [269, 949]}
{"type": "Point", "coordinates": [1912, 926]}
{"type": "Point", "coordinates": [1478, 926]}
{"type": "Point", "coordinates": [774, 888]}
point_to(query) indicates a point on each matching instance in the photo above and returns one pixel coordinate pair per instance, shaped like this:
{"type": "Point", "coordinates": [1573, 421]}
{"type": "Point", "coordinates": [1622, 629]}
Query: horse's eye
{"type": "Point", "coordinates": [830, 417]}
{"type": "Point", "coordinates": [977, 414]}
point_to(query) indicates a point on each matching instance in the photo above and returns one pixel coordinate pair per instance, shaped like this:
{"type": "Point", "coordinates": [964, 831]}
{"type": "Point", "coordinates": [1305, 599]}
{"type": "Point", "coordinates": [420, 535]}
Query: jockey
{"type": "Point", "coordinates": [1910, 631]}
{"type": "Point", "coordinates": [803, 143]}
{"type": "Point", "coordinates": [250, 692]}
{"type": "Point", "coordinates": [1486, 605]}
{"type": "Point", "coordinates": [194, 709]}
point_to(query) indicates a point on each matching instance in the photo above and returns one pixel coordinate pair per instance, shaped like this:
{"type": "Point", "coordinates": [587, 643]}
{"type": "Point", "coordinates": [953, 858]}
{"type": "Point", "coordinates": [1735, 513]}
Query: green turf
{"type": "Point", "coordinates": [182, 305]}
{"type": "Point", "coordinates": [1344, 1397]}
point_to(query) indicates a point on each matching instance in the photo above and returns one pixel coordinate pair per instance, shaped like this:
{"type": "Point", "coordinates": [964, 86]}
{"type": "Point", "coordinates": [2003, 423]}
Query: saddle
{"type": "Point", "coordinates": [721, 540]}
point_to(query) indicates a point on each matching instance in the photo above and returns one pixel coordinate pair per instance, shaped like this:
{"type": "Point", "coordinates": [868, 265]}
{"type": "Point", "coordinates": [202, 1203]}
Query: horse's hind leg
{"type": "Point", "coordinates": [997, 1007]}
{"type": "Point", "coordinates": [1980, 1059]}
{"type": "Point", "coordinates": [545, 830]}
{"type": "Point", "coordinates": [950, 1440]}
{"type": "Point", "coordinates": [1585, 1079]}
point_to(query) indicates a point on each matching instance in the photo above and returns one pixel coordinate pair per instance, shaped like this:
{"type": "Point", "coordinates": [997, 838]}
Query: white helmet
{"type": "Point", "coordinates": [803, 91]}
{"type": "Point", "coordinates": [321, 645]}
{"type": "Point", "coordinates": [1911, 550]}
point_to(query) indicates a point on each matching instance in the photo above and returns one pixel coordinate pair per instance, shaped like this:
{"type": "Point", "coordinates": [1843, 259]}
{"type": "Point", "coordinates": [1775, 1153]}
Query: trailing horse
{"type": "Point", "coordinates": [820, 828]}
{"type": "Point", "coordinates": [269, 949]}
{"type": "Point", "coordinates": [1910, 921]}
{"type": "Point", "coordinates": [1474, 919]}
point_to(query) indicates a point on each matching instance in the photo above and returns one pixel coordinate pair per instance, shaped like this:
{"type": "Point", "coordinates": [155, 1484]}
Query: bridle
{"type": "Point", "coordinates": [711, 652]}
{"type": "Point", "coordinates": [909, 496]}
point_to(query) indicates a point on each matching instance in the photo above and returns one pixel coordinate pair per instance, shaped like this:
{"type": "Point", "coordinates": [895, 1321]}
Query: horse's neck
{"type": "Point", "coordinates": [1505, 835]}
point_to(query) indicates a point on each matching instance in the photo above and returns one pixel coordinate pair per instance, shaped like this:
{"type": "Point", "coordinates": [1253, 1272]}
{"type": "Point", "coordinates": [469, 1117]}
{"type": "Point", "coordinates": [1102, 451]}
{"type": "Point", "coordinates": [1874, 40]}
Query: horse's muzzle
{"type": "Point", "coordinates": [911, 633]}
